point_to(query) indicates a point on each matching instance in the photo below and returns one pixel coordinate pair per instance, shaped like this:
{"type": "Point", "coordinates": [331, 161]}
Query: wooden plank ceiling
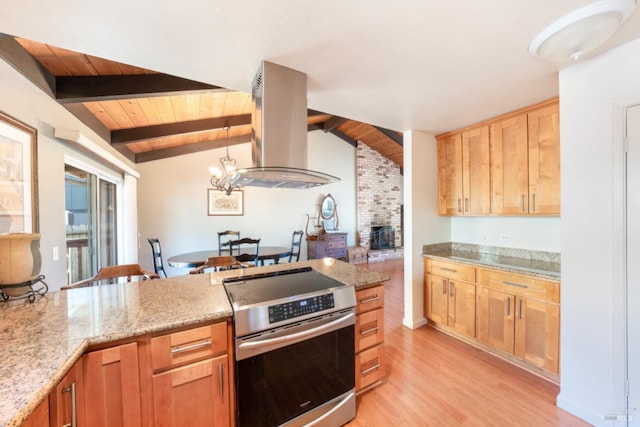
{"type": "Point", "coordinates": [147, 115]}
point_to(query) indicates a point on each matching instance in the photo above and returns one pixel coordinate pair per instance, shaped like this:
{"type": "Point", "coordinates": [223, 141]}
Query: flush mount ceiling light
{"type": "Point", "coordinates": [581, 31]}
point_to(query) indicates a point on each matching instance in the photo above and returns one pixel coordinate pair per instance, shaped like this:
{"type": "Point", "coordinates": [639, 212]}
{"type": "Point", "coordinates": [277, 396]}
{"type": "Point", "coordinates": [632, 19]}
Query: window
{"type": "Point", "coordinates": [91, 221]}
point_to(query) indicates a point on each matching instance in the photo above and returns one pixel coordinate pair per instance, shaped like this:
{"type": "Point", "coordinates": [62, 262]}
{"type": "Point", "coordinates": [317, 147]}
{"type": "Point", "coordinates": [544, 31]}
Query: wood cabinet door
{"type": "Point", "coordinates": [193, 395]}
{"type": "Point", "coordinates": [544, 161]}
{"type": "Point", "coordinates": [476, 173]}
{"type": "Point", "coordinates": [450, 197]}
{"type": "Point", "coordinates": [537, 333]}
{"type": "Point", "coordinates": [509, 166]}
{"type": "Point", "coordinates": [436, 298]}
{"type": "Point", "coordinates": [112, 387]}
{"type": "Point", "coordinates": [496, 319]}
{"type": "Point", "coordinates": [462, 307]}
{"type": "Point", "coordinates": [40, 416]}
{"type": "Point", "coordinates": [66, 401]}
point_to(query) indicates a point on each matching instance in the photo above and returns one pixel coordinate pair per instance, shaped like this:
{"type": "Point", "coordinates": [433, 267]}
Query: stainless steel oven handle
{"type": "Point", "coordinates": [319, 420]}
{"type": "Point", "coordinates": [297, 335]}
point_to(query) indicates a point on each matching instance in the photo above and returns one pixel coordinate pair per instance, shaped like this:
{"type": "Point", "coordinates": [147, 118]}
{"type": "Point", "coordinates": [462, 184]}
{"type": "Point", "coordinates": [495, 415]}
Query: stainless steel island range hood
{"type": "Point", "coordinates": [279, 132]}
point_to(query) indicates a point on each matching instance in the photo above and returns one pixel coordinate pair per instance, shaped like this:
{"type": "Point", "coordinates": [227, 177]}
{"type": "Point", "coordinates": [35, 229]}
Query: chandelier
{"type": "Point", "coordinates": [222, 179]}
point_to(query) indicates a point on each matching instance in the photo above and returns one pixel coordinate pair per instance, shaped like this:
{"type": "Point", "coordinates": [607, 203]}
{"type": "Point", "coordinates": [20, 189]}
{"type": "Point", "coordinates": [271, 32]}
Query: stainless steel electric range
{"type": "Point", "coordinates": [294, 348]}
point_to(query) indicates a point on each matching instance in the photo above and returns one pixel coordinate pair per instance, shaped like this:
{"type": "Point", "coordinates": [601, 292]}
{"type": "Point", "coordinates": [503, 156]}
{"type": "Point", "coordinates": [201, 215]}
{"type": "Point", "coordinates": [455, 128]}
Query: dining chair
{"type": "Point", "coordinates": [156, 253]}
{"type": "Point", "coordinates": [246, 250]}
{"type": "Point", "coordinates": [218, 263]}
{"type": "Point", "coordinates": [223, 240]}
{"type": "Point", "coordinates": [111, 274]}
{"type": "Point", "coordinates": [296, 243]}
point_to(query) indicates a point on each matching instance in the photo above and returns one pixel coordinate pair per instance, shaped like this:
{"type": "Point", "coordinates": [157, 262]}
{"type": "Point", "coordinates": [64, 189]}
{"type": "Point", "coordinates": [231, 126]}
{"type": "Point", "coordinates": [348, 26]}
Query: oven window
{"type": "Point", "coordinates": [277, 386]}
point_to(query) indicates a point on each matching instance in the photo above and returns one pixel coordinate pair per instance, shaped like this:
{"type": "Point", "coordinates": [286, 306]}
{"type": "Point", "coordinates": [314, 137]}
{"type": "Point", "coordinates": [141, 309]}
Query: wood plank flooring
{"type": "Point", "coordinates": [436, 380]}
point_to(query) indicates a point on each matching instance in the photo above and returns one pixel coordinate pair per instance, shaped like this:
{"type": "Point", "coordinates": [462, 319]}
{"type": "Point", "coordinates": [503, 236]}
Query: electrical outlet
{"type": "Point", "coordinates": [55, 253]}
{"type": "Point", "coordinates": [505, 237]}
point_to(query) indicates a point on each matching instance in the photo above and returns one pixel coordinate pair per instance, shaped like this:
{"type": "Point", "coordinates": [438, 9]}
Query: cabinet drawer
{"type": "Point", "coordinates": [369, 299]}
{"type": "Point", "coordinates": [183, 347]}
{"type": "Point", "coordinates": [369, 329]}
{"type": "Point", "coordinates": [520, 285]}
{"type": "Point", "coordinates": [369, 367]}
{"type": "Point", "coordinates": [452, 270]}
{"type": "Point", "coordinates": [337, 253]}
{"type": "Point", "coordinates": [334, 244]}
{"type": "Point", "coordinates": [334, 237]}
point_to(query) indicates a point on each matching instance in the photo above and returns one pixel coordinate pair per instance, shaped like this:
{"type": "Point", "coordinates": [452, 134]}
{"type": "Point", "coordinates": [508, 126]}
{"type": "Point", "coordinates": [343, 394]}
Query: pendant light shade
{"type": "Point", "coordinates": [581, 31]}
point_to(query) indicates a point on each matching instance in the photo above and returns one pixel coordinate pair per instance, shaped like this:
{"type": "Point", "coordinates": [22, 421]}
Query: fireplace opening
{"type": "Point", "coordinates": [382, 237]}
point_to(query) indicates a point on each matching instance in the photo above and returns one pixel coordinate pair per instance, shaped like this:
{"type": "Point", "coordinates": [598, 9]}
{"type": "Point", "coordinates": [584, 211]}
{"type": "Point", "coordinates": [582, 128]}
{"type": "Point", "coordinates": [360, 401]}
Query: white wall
{"type": "Point", "coordinates": [591, 96]}
{"type": "Point", "coordinates": [533, 233]}
{"type": "Point", "coordinates": [20, 99]}
{"type": "Point", "coordinates": [172, 200]}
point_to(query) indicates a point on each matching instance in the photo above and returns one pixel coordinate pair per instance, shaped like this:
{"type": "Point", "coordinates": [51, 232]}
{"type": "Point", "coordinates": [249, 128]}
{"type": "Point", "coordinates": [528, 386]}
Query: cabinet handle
{"type": "Point", "coordinates": [459, 208]}
{"type": "Point", "coordinates": [522, 203]}
{"type": "Point", "coordinates": [444, 286]}
{"type": "Point", "coordinates": [370, 299]}
{"type": "Point", "coordinates": [466, 204]}
{"type": "Point", "coordinates": [220, 379]}
{"type": "Point", "coordinates": [373, 368]}
{"type": "Point", "coordinates": [508, 306]}
{"type": "Point", "coordinates": [179, 349]}
{"type": "Point", "coordinates": [374, 329]}
{"type": "Point", "coordinates": [517, 285]}
{"type": "Point", "coordinates": [450, 270]}
{"type": "Point", "coordinates": [71, 389]}
{"type": "Point", "coordinates": [533, 202]}
{"type": "Point", "coordinates": [519, 308]}
{"type": "Point", "coordinates": [451, 288]}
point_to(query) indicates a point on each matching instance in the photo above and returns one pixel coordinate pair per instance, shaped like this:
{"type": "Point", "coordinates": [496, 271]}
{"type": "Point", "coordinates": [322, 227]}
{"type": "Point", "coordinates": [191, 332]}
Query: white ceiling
{"type": "Point", "coordinates": [430, 65]}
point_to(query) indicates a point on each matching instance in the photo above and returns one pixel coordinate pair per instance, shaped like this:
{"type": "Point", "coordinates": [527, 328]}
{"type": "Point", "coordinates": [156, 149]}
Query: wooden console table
{"type": "Point", "coordinates": [332, 245]}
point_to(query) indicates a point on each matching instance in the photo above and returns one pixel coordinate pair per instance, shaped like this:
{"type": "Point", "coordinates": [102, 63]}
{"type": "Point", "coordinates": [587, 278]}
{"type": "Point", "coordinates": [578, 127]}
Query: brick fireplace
{"type": "Point", "coordinates": [378, 182]}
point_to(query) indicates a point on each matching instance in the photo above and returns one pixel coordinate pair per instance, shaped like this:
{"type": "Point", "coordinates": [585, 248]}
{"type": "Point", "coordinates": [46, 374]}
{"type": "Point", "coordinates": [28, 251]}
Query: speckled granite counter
{"type": "Point", "coordinates": [41, 341]}
{"type": "Point", "coordinates": [545, 265]}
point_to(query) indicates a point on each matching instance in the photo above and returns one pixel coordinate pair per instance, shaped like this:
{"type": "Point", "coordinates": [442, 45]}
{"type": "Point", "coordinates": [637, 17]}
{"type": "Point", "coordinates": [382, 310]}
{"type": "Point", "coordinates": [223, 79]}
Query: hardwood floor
{"type": "Point", "coordinates": [436, 380]}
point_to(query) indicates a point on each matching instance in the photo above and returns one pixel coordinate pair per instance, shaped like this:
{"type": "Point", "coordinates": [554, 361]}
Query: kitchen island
{"type": "Point", "coordinates": [43, 340]}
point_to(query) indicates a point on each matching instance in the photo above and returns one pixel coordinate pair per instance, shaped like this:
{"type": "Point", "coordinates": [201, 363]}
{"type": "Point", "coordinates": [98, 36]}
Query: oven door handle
{"type": "Point", "coordinates": [298, 336]}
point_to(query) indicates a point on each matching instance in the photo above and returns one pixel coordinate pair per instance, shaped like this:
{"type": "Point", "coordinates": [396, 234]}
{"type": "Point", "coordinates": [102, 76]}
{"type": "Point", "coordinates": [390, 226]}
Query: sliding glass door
{"type": "Point", "coordinates": [91, 222]}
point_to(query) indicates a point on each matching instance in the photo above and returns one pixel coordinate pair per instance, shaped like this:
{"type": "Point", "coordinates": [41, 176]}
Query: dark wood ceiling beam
{"type": "Point", "coordinates": [395, 136]}
{"type": "Point", "coordinates": [163, 153]}
{"type": "Point", "coordinates": [16, 56]}
{"type": "Point", "coordinates": [342, 136]}
{"type": "Point", "coordinates": [99, 88]}
{"type": "Point", "coordinates": [125, 136]}
{"type": "Point", "coordinates": [312, 113]}
{"type": "Point", "coordinates": [333, 123]}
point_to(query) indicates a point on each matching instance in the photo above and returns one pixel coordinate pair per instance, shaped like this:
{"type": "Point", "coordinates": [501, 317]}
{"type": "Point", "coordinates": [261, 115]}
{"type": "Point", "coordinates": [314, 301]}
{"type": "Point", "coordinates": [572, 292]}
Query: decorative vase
{"type": "Point", "coordinates": [19, 260]}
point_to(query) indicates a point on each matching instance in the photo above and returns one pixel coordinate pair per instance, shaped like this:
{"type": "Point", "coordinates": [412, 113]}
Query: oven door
{"type": "Point", "coordinates": [286, 374]}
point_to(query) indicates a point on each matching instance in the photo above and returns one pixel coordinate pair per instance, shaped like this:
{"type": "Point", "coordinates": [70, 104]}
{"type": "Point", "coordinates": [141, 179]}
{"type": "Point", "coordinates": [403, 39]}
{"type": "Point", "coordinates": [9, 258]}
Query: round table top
{"type": "Point", "coordinates": [197, 258]}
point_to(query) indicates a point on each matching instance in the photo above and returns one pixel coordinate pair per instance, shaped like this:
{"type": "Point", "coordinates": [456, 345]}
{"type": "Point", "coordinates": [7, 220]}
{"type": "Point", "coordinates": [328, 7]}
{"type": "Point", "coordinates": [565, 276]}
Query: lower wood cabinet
{"type": "Point", "coordinates": [112, 387]}
{"type": "Point", "coordinates": [196, 394]}
{"type": "Point", "coordinates": [40, 416]}
{"type": "Point", "coordinates": [191, 377]}
{"type": "Point", "coordinates": [66, 401]}
{"type": "Point", "coordinates": [520, 315]}
{"type": "Point", "coordinates": [369, 339]}
{"type": "Point", "coordinates": [507, 313]}
{"type": "Point", "coordinates": [450, 296]}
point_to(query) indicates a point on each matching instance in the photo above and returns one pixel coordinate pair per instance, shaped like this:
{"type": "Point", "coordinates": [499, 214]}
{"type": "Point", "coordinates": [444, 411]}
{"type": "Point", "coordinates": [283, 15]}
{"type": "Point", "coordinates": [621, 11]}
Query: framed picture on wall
{"type": "Point", "coordinates": [18, 177]}
{"type": "Point", "coordinates": [219, 203]}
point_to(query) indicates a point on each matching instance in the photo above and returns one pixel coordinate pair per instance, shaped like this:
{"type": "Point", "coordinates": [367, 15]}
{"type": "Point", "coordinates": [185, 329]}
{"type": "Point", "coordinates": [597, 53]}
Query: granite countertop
{"type": "Point", "coordinates": [42, 340]}
{"type": "Point", "coordinates": [543, 265]}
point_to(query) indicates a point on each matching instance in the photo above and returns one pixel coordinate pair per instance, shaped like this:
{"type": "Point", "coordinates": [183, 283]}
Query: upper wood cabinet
{"type": "Point", "coordinates": [464, 173]}
{"type": "Point", "coordinates": [507, 166]}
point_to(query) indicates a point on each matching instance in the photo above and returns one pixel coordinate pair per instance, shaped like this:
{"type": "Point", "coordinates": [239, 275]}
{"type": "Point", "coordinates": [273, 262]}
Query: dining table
{"type": "Point", "coordinates": [197, 258]}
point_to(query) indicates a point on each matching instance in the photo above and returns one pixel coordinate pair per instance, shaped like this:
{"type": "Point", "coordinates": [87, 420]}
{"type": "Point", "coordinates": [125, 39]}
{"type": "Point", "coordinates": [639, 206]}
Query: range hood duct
{"type": "Point", "coordinates": [279, 132]}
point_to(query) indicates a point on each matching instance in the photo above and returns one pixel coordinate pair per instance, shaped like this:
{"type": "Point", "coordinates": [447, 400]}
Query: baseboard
{"type": "Point", "coordinates": [414, 324]}
{"type": "Point", "coordinates": [581, 412]}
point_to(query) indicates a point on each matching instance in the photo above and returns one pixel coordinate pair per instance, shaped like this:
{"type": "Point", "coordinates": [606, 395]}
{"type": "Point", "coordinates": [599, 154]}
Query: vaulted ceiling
{"type": "Point", "coordinates": [147, 115]}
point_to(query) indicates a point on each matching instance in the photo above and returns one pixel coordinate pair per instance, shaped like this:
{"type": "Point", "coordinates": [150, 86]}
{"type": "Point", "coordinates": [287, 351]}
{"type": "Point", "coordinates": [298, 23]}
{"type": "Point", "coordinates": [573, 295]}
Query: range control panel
{"type": "Point", "coordinates": [290, 310]}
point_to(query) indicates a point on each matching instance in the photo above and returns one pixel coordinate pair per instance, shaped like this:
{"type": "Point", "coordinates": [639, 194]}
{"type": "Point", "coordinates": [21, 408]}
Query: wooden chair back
{"type": "Point", "coordinates": [218, 263]}
{"type": "Point", "coordinates": [223, 240]}
{"type": "Point", "coordinates": [156, 253]}
{"type": "Point", "coordinates": [245, 250]}
{"type": "Point", "coordinates": [111, 274]}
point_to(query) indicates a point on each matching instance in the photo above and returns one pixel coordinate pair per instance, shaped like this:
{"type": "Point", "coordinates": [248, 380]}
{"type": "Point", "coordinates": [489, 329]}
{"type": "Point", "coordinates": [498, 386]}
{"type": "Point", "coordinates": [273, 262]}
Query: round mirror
{"type": "Point", "coordinates": [327, 207]}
